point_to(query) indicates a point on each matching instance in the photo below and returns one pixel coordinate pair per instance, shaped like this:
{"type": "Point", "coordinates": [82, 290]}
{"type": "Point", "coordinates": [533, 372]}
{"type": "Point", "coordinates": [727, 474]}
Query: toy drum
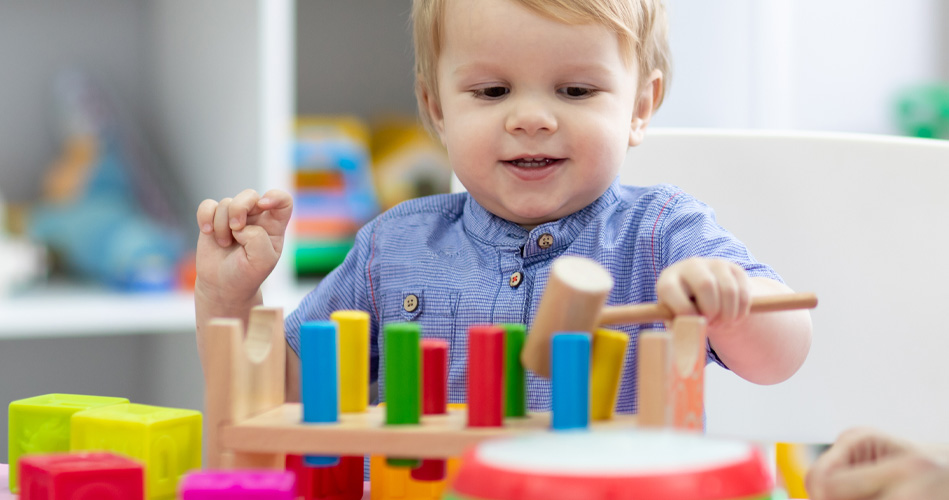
{"type": "Point", "coordinates": [613, 465]}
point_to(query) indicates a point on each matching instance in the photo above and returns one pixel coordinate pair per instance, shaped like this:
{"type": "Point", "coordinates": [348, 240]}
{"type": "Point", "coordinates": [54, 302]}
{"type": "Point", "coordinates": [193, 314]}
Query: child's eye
{"type": "Point", "coordinates": [491, 92]}
{"type": "Point", "coordinates": [577, 92]}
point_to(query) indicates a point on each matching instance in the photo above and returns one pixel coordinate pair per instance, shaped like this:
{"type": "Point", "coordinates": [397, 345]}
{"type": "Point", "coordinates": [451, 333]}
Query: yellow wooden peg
{"type": "Point", "coordinates": [606, 368]}
{"type": "Point", "coordinates": [353, 360]}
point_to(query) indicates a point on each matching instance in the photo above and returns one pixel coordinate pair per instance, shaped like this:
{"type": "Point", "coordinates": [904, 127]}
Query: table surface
{"type": "Point", "coordinates": [5, 484]}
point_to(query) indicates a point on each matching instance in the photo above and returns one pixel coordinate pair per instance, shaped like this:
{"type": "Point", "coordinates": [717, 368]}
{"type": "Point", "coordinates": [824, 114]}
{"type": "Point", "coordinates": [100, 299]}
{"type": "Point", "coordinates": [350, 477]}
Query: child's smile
{"type": "Point", "coordinates": [533, 168]}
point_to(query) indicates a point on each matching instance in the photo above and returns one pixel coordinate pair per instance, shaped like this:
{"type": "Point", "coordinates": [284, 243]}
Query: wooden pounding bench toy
{"type": "Point", "coordinates": [251, 426]}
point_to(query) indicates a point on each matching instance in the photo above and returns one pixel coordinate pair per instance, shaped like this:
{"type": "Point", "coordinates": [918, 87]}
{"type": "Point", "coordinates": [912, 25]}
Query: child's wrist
{"type": "Point", "coordinates": [226, 300]}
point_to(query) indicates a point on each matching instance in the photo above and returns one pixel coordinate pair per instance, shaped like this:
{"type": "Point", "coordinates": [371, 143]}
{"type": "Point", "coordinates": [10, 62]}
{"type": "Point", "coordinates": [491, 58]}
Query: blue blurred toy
{"type": "Point", "coordinates": [106, 210]}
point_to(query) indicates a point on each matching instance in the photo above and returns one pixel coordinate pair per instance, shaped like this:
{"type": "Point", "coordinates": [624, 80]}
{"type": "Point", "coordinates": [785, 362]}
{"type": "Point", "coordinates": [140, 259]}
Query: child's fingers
{"type": "Point", "coordinates": [279, 204]}
{"type": "Point", "coordinates": [205, 216]}
{"type": "Point", "coordinates": [674, 294]}
{"type": "Point", "coordinates": [222, 229]}
{"type": "Point", "coordinates": [241, 206]}
{"type": "Point", "coordinates": [744, 290]}
{"type": "Point", "coordinates": [705, 292]}
{"type": "Point", "coordinates": [258, 247]}
{"type": "Point", "coordinates": [729, 291]}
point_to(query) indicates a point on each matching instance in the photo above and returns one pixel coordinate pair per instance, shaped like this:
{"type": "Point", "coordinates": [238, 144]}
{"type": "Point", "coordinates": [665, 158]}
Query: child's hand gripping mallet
{"type": "Point", "coordinates": [573, 302]}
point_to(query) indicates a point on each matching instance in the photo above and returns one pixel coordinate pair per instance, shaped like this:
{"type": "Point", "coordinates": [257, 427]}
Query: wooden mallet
{"type": "Point", "coordinates": [574, 302]}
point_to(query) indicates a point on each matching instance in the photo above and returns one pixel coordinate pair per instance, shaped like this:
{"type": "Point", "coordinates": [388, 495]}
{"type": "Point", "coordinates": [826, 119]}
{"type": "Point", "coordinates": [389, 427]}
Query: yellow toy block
{"type": "Point", "coordinates": [41, 425]}
{"type": "Point", "coordinates": [166, 440]}
{"type": "Point", "coordinates": [396, 483]}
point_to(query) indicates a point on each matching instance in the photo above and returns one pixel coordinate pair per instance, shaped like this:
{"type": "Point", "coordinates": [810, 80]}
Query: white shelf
{"type": "Point", "coordinates": [83, 311]}
{"type": "Point", "coordinates": [75, 311]}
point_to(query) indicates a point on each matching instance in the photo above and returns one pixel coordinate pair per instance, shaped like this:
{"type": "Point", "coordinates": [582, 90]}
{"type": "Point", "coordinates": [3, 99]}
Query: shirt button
{"type": "Point", "coordinates": [516, 279]}
{"type": "Point", "coordinates": [545, 241]}
{"type": "Point", "coordinates": [410, 303]}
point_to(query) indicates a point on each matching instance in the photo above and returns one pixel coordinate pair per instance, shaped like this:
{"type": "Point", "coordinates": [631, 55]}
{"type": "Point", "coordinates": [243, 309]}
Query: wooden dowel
{"type": "Point", "coordinates": [650, 313]}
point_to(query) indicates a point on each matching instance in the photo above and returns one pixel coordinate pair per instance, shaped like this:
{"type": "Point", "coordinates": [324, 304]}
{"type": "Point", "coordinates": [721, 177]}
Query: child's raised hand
{"type": "Point", "coordinates": [715, 288]}
{"type": "Point", "coordinates": [240, 242]}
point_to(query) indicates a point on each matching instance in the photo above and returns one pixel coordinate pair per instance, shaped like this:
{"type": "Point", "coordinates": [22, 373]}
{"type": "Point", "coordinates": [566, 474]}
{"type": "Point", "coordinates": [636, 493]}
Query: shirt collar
{"type": "Point", "coordinates": [493, 230]}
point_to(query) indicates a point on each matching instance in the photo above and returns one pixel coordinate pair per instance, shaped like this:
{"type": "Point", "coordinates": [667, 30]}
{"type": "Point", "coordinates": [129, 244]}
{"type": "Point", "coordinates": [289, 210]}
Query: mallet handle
{"type": "Point", "coordinates": [651, 313]}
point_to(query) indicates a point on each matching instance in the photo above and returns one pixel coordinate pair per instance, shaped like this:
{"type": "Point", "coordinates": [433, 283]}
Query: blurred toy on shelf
{"type": "Point", "coordinates": [923, 111]}
{"type": "Point", "coordinates": [334, 191]}
{"type": "Point", "coordinates": [407, 161]}
{"type": "Point", "coordinates": [346, 172]}
{"type": "Point", "coordinates": [21, 262]}
{"type": "Point", "coordinates": [106, 212]}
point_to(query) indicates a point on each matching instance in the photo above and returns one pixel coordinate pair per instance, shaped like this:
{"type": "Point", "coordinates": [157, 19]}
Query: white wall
{"type": "Point", "coordinates": [354, 57]}
{"type": "Point", "coordinates": [800, 64]}
{"type": "Point", "coordinates": [203, 71]}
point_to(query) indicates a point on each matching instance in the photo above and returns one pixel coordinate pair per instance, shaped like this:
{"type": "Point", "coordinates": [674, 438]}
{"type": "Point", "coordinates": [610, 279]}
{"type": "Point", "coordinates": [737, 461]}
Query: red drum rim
{"type": "Point", "coordinates": [741, 475]}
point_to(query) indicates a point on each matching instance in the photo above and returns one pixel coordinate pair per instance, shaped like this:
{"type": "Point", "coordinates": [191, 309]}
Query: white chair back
{"type": "Point", "coordinates": [861, 221]}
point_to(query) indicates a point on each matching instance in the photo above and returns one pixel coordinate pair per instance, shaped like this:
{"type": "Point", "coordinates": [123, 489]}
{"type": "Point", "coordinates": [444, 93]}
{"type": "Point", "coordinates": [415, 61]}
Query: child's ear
{"type": "Point", "coordinates": [434, 110]}
{"type": "Point", "coordinates": [650, 95]}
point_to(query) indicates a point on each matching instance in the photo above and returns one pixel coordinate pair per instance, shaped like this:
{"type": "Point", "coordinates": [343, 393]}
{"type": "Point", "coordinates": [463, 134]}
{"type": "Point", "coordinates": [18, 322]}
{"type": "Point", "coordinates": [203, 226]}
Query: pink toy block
{"type": "Point", "coordinates": [343, 481]}
{"type": "Point", "coordinates": [238, 485]}
{"type": "Point", "coordinates": [81, 476]}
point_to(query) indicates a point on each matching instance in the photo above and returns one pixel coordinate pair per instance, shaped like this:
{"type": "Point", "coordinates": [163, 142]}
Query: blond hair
{"type": "Point", "coordinates": [641, 26]}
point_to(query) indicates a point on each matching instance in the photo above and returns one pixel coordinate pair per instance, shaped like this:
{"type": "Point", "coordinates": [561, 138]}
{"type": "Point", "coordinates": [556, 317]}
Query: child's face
{"type": "Point", "coordinates": [536, 115]}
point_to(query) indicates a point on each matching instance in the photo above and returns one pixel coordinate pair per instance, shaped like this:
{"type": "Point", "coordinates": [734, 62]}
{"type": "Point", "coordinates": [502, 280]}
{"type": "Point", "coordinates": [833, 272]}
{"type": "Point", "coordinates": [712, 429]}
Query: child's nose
{"type": "Point", "coordinates": [530, 116]}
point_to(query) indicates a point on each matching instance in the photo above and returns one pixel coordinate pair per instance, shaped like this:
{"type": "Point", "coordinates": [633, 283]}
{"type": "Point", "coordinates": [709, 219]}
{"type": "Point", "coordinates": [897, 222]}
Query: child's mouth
{"type": "Point", "coordinates": [533, 162]}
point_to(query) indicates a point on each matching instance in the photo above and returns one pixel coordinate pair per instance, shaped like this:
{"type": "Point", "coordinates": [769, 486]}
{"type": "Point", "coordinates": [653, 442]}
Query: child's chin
{"type": "Point", "coordinates": [532, 217]}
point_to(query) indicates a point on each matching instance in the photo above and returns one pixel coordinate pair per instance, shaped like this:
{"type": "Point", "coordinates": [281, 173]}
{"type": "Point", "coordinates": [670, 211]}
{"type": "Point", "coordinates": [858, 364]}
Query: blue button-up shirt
{"type": "Point", "coordinates": [457, 259]}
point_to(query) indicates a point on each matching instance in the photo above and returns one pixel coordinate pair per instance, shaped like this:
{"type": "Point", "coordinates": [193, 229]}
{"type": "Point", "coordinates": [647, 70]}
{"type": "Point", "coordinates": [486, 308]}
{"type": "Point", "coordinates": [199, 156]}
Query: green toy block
{"type": "Point", "coordinates": [41, 425]}
{"type": "Point", "coordinates": [166, 440]}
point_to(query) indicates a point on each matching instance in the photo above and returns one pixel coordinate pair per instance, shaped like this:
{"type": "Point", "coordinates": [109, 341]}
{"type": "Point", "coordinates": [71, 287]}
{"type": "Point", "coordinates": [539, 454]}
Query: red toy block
{"type": "Point", "coordinates": [81, 476]}
{"type": "Point", "coordinates": [343, 481]}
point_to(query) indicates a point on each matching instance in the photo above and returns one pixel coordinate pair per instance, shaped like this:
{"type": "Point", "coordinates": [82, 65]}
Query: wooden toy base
{"type": "Point", "coordinates": [280, 430]}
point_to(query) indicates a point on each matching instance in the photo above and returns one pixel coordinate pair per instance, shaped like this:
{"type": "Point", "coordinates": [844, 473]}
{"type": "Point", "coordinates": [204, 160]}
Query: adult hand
{"type": "Point", "coordinates": [865, 464]}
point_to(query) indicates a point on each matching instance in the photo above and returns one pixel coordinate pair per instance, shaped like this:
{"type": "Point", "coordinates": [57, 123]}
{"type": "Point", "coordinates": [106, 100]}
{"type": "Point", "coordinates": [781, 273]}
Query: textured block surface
{"type": "Point", "coordinates": [81, 476]}
{"type": "Point", "coordinates": [41, 424]}
{"type": "Point", "coordinates": [166, 440]}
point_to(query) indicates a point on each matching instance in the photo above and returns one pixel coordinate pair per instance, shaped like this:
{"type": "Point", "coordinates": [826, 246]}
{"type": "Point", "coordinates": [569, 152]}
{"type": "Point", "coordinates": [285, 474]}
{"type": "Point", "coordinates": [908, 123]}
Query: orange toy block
{"type": "Point", "coordinates": [396, 483]}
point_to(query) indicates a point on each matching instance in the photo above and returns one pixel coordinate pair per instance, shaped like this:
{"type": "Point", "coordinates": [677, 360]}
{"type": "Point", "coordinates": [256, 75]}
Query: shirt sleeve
{"type": "Point", "coordinates": [345, 288]}
{"type": "Point", "coordinates": [688, 228]}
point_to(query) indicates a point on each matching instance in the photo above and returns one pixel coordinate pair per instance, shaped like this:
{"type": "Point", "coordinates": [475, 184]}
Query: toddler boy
{"type": "Point", "coordinates": [536, 102]}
